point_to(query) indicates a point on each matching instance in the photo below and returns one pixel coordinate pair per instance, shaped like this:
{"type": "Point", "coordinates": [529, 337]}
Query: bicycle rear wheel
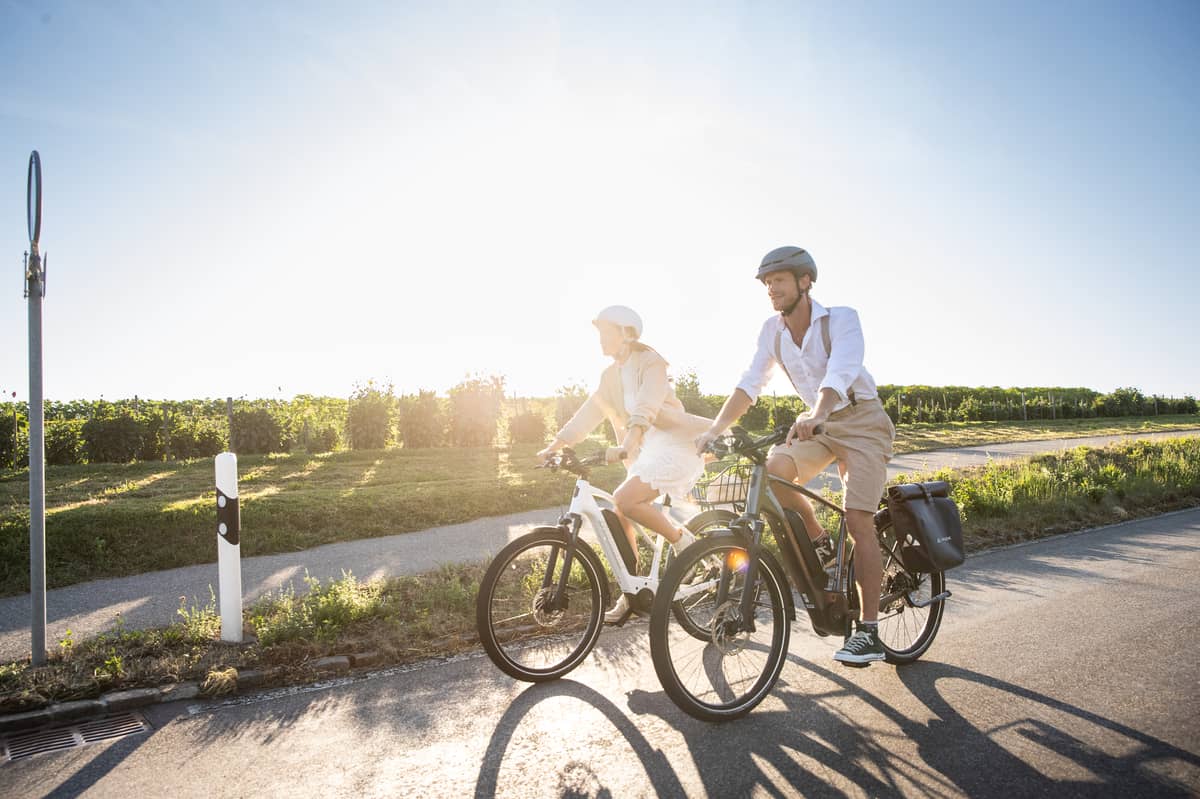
{"type": "Point", "coordinates": [522, 632]}
{"type": "Point", "coordinates": [725, 675]}
{"type": "Point", "coordinates": [906, 629]}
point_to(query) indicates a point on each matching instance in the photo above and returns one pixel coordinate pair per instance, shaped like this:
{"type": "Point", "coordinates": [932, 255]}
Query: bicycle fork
{"type": "Point", "coordinates": [570, 524]}
{"type": "Point", "coordinates": [730, 570]}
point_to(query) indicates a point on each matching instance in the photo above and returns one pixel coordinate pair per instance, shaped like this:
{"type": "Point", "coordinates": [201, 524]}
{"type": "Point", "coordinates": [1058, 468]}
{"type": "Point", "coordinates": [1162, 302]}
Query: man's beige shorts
{"type": "Point", "coordinates": [859, 437]}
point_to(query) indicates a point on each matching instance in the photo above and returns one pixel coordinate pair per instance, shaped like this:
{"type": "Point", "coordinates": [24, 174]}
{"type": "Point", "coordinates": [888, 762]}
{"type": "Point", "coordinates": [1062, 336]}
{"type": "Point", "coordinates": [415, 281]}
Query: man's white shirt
{"type": "Point", "coordinates": [808, 366]}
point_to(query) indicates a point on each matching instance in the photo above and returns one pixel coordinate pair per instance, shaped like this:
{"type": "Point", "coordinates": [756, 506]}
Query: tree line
{"type": "Point", "coordinates": [475, 412]}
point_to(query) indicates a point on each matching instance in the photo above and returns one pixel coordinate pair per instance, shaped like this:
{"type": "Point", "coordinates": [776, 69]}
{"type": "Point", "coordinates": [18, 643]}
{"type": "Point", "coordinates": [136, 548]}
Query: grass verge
{"type": "Point", "coordinates": [113, 520]}
{"type": "Point", "coordinates": [413, 618]}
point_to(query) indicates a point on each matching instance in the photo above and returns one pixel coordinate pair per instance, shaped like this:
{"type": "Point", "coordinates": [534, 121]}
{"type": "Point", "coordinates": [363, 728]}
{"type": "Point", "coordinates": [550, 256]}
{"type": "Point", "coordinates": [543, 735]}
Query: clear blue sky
{"type": "Point", "coordinates": [265, 199]}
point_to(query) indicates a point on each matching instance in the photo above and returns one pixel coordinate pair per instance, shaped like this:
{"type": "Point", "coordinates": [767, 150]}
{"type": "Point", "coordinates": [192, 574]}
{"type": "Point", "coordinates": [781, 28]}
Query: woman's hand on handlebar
{"type": "Point", "coordinates": [704, 441]}
{"type": "Point", "coordinates": [554, 447]}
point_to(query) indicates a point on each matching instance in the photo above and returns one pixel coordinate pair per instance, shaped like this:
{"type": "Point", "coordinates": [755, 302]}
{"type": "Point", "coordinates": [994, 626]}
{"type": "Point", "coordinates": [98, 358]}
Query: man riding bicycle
{"type": "Point", "coordinates": [821, 351]}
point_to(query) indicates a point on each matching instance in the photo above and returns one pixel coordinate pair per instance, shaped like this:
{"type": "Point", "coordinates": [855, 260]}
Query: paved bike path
{"type": "Point", "coordinates": [153, 599]}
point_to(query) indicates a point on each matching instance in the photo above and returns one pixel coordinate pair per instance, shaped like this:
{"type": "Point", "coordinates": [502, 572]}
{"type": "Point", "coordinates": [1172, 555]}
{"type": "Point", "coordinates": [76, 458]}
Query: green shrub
{"type": "Point", "coordinates": [113, 439]}
{"type": "Point", "coordinates": [323, 613]}
{"type": "Point", "coordinates": [422, 421]}
{"type": "Point", "coordinates": [324, 438]}
{"type": "Point", "coordinates": [970, 410]}
{"type": "Point", "coordinates": [13, 442]}
{"type": "Point", "coordinates": [687, 389]}
{"type": "Point", "coordinates": [527, 428]}
{"type": "Point", "coordinates": [784, 411]}
{"type": "Point", "coordinates": [370, 418]}
{"type": "Point", "coordinates": [153, 439]}
{"type": "Point", "coordinates": [64, 442]}
{"type": "Point", "coordinates": [759, 415]}
{"type": "Point", "coordinates": [197, 438]}
{"type": "Point", "coordinates": [475, 410]}
{"type": "Point", "coordinates": [256, 431]}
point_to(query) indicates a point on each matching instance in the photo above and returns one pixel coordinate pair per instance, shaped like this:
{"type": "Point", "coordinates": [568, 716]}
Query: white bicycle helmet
{"type": "Point", "coordinates": [623, 317]}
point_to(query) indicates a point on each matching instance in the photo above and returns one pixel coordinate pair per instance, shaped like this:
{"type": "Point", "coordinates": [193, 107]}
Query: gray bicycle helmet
{"type": "Point", "coordinates": [794, 259]}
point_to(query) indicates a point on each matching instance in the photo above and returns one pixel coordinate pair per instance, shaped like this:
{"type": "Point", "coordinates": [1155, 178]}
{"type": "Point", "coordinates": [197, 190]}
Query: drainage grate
{"type": "Point", "coordinates": [20, 745]}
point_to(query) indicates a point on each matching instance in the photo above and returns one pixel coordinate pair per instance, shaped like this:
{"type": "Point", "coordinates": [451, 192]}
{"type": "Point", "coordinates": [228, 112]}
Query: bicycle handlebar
{"type": "Point", "coordinates": [568, 461]}
{"type": "Point", "coordinates": [739, 442]}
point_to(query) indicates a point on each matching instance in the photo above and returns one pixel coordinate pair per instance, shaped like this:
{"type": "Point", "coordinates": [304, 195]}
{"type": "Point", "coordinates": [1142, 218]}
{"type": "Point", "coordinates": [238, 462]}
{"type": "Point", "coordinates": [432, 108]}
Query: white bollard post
{"type": "Point", "coordinates": [229, 550]}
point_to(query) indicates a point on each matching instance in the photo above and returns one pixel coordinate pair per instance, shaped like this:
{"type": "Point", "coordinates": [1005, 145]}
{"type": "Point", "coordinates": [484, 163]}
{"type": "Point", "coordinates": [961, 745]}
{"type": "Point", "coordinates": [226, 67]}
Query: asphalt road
{"type": "Point", "coordinates": [1065, 667]}
{"type": "Point", "coordinates": [153, 599]}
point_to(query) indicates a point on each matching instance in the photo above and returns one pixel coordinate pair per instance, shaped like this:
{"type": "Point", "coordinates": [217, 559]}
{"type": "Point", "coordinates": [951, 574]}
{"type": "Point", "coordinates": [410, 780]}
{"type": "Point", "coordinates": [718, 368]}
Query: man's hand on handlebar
{"type": "Point", "coordinates": [806, 428]}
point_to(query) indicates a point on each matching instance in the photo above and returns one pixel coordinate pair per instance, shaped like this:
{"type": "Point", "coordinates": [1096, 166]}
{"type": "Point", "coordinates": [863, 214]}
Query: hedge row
{"type": "Point", "coordinates": [474, 413]}
{"type": "Point", "coordinates": [910, 404]}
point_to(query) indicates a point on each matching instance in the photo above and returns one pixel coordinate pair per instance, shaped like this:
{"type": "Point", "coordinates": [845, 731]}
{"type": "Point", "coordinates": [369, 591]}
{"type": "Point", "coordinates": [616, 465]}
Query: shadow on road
{"type": "Point", "coordinates": [815, 745]}
{"type": "Point", "coordinates": [662, 777]}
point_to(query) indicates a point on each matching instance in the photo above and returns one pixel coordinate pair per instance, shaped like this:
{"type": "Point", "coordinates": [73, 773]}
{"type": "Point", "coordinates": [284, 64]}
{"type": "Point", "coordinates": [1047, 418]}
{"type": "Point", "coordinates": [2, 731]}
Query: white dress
{"type": "Point", "coordinates": [667, 462]}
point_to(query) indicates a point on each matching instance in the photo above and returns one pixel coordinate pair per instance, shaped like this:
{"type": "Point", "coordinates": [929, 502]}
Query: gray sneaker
{"type": "Point", "coordinates": [861, 648]}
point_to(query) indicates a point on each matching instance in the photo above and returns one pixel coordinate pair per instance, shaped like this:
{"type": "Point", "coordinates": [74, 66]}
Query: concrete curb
{"type": "Point", "coordinates": [248, 681]}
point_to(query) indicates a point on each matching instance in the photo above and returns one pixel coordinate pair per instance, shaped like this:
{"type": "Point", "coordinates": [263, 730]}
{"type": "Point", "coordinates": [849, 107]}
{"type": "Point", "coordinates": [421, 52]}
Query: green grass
{"type": "Point", "coordinates": [413, 618]}
{"type": "Point", "coordinates": [113, 520]}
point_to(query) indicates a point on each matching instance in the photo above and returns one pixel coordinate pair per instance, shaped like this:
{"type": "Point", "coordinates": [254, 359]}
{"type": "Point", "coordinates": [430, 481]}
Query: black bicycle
{"type": "Point", "coordinates": [736, 586]}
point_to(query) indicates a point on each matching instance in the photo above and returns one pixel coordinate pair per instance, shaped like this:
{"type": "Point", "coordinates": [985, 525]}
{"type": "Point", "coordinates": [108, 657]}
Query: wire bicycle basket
{"type": "Point", "coordinates": [727, 484]}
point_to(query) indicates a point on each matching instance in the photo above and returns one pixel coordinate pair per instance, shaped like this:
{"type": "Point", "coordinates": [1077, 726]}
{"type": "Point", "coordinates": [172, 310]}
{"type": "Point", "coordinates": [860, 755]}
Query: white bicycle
{"type": "Point", "coordinates": [541, 603]}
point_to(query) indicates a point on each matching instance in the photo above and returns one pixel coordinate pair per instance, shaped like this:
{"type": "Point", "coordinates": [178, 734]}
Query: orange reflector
{"type": "Point", "coordinates": [737, 560]}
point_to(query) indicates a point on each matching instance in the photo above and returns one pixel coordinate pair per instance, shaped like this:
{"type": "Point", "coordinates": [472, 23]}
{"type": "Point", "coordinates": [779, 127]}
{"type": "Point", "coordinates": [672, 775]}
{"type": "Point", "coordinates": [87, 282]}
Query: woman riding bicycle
{"type": "Point", "coordinates": [656, 434]}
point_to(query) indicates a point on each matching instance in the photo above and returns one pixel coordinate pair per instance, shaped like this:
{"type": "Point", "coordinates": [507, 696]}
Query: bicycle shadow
{"type": "Point", "coordinates": [662, 777]}
{"type": "Point", "coordinates": [817, 747]}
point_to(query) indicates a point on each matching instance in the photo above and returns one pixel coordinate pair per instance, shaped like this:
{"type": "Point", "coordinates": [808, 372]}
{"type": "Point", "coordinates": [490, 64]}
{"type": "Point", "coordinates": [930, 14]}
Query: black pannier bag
{"type": "Point", "coordinates": [927, 525]}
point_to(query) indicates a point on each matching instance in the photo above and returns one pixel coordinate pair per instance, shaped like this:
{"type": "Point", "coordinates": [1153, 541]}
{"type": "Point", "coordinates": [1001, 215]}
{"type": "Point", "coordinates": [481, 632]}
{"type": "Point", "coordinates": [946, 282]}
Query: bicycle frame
{"type": "Point", "coordinates": [828, 608]}
{"type": "Point", "coordinates": [583, 506]}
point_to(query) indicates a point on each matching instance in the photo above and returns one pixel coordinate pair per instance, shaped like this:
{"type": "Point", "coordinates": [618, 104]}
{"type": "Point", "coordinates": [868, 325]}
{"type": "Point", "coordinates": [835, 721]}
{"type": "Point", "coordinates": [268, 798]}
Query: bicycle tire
{"type": "Point", "coordinates": [528, 642]}
{"type": "Point", "coordinates": [726, 676]}
{"type": "Point", "coordinates": [700, 525]}
{"type": "Point", "coordinates": [905, 630]}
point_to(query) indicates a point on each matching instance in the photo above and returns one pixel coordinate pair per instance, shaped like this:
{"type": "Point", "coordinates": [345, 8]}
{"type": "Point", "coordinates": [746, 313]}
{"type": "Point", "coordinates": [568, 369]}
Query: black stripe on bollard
{"type": "Point", "coordinates": [229, 518]}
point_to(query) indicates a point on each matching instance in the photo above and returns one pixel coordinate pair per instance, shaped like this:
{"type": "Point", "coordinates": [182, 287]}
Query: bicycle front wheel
{"type": "Point", "coordinates": [727, 673]}
{"type": "Point", "coordinates": [700, 525]}
{"type": "Point", "coordinates": [525, 632]}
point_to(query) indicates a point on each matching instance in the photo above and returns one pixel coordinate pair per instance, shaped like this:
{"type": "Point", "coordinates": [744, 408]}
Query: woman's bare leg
{"type": "Point", "coordinates": [633, 499]}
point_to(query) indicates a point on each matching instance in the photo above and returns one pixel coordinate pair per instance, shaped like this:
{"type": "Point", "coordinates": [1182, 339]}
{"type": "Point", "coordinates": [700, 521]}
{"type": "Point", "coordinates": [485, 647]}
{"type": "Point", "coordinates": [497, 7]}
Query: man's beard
{"type": "Point", "coordinates": [799, 299]}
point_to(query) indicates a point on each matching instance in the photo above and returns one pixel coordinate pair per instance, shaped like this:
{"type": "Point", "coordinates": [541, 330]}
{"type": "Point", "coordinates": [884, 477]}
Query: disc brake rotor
{"type": "Point", "coordinates": [728, 635]}
{"type": "Point", "coordinates": [543, 614]}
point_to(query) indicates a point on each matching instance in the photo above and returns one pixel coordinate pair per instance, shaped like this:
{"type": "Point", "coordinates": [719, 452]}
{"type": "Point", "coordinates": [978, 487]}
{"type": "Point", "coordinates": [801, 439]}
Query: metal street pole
{"type": "Point", "coordinates": [35, 291]}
